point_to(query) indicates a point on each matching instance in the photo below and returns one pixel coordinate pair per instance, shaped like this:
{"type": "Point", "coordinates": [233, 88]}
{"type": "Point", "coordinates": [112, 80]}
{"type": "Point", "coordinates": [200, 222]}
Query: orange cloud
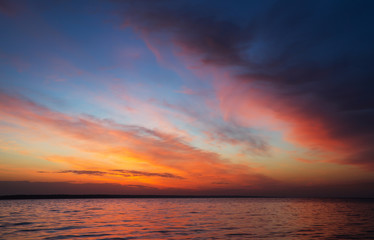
{"type": "Point", "coordinates": [115, 146]}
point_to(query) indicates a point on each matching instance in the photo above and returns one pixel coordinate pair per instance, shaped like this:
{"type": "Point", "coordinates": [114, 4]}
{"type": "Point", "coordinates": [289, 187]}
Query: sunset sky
{"type": "Point", "coordinates": [271, 98]}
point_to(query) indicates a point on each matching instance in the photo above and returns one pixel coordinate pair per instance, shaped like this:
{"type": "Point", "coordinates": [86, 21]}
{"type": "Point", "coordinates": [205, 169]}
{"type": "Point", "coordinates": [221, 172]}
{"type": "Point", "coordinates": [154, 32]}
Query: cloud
{"type": "Point", "coordinates": [237, 135]}
{"type": "Point", "coordinates": [303, 64]}
{"type": "Point", "coordinates": [106, 143]}
{"type": "Point", "coordinates": [121, 172]}
{"type": "Point", "coordinates": [219, 131]}
{"type": "Point", "coordinates": [127, 173]}
{"type": "Point", "coordinates": [88, 172]}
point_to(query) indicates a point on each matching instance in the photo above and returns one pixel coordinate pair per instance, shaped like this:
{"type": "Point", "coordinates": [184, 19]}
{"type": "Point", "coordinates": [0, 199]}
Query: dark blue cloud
{"type": "Point", "coordinates": [314, 55]}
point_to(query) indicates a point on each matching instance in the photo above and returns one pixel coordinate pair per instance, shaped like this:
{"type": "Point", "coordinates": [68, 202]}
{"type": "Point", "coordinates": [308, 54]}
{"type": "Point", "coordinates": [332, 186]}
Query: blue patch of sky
{"type": "Point", "coordinates": [68, 55]}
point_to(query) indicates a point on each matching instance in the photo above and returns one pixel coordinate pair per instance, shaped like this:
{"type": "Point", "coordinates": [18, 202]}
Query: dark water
{"type": "Point", "coordinates": [187, 219]}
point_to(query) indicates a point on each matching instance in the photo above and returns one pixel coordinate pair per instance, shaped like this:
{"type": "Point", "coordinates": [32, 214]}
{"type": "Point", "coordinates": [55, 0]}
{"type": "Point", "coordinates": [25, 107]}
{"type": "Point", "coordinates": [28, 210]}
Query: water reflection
{"type": "Point", "coordinates": [186, 218]}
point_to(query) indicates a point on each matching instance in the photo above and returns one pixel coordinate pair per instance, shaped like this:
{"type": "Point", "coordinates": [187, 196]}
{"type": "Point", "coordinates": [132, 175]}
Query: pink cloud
{"type": "Point", "coordinates": [107, 139]}
{"type": "Point", "coordinates": [278, 93]}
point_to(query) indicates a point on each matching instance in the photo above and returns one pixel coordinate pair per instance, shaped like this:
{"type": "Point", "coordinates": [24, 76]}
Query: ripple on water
{"type": "Point", "coordinates": [238, 234]}
{"type": "Point", "coordinates": [22, 223]}
{"type": "Point", "coordinates": [71, 211]}
{"type": "Point", "coordinates": [94, 208]}
{"type": "Point", "coordinates": [9, 224]}
{"type": "Point", "coordinates": [77, 236]}
{"type": "Point", "coordinates": [186, 218]}
{"type": "Point", "coordinates": [33, 230]}
{"type": "Point", "coordinates": [120, 238]}
{"type": "Point", "coordinates": [69, 228]}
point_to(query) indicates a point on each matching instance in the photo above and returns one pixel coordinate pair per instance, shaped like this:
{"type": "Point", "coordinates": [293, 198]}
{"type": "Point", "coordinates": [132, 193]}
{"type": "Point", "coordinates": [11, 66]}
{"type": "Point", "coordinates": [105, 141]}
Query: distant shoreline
{"type": "Point", "coordinates": [110, 196]}
{"type": "Point", "coordinates": [92, 196]}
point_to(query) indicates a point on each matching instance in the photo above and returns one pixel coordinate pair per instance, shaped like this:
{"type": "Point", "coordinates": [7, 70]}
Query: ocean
{"type": "Point", "coordinates": [187, 218]}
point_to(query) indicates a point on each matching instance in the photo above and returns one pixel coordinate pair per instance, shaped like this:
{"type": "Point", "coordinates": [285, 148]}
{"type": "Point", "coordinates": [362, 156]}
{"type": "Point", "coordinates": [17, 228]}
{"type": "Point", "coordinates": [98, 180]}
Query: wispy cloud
{"type": "Point", "coordinates": [120, 172]}
{"type": "Point", "coordinates": [315, 79]}
{"type": "Point", "coordinates": [87, 172]}
{"type": "Point", "coordinates": [127, 173]}
{"type": "Point", "coordinates": [190, 95]}
{"type": "Point", "coordinates": [132, 145]}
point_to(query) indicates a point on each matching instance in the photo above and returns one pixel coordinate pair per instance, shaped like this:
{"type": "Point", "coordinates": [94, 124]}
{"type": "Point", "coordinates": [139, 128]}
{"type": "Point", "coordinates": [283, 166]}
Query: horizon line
{"type": "Point", "coordinates": [113, 196]}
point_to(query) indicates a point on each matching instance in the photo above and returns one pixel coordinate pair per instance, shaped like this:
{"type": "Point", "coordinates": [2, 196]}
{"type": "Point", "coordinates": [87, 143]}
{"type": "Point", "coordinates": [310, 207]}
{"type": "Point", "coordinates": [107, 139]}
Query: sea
{"type": "Point", "coordinates": [187, 218]}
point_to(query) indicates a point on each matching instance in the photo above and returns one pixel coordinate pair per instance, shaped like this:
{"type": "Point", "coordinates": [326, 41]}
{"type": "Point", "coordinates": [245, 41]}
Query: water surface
{"type": "Point", "coordinates": [202, 218]}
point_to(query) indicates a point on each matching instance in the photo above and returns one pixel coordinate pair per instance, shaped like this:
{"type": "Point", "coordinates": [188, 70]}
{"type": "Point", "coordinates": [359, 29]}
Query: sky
{"type": "Point", "coordinates": [257, 98]}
